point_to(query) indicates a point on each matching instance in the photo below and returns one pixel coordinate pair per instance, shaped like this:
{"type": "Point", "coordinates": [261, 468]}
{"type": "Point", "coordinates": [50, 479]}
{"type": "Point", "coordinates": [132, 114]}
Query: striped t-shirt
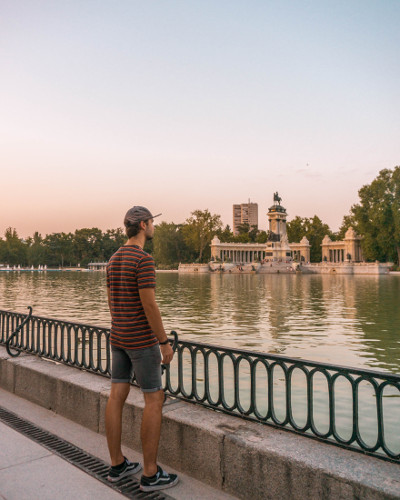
{"type": "Point", "coordinates": [129, 270]}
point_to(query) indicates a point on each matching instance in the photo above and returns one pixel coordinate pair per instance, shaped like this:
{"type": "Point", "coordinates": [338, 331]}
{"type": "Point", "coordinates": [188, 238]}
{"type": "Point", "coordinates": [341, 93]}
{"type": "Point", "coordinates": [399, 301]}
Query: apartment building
{"type": "Point", "coordinates": [245, 213]}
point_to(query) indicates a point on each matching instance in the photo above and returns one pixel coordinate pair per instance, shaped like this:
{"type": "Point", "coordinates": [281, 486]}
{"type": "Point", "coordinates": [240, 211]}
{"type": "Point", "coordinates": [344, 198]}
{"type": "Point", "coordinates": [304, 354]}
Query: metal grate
{"type": "Point", "coordinates": [128, 486]}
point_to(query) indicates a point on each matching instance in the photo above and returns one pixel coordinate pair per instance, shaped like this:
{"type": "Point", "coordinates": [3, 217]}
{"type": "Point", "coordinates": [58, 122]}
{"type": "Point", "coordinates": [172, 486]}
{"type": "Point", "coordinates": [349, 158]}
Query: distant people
{"type": "Point", "coordinates": [137, 337]}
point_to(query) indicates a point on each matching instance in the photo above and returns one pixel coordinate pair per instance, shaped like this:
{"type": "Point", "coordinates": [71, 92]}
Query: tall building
{"type": "Point", "coordinates": [245, 213]}
{"type": "Point", "coordinates": [237, 218]}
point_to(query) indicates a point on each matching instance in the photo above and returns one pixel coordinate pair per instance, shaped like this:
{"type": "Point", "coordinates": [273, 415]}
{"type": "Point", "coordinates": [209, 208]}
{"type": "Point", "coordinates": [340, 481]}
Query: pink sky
{"type": "Point", "coordinates": [191, 106]}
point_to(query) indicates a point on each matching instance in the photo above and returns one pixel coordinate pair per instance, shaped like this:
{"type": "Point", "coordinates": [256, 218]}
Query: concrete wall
{"type": "Point", "coordinates": [357, 268]}
{"type": "Point", "coordinates": [193, 268]}
{"type": "Point", "coordinates": [246, 459]}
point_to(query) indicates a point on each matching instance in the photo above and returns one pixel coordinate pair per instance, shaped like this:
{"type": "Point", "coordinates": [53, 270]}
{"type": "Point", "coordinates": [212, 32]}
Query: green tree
{"type": "Point", "coordinates": [241, 238]}
{"type": "Point", "coordinates": [243, 228]}
{"type": "Point", "coordinates": [36, 250]}
{"type": "Point", "coordinates": [112, 239]}
{"type": "Point", "coordinates": [246, 234]}
{"type": "Point", "coordinates": [296, 229]}
{"type": "Point", "coordinates": [316, 230]}
{"type": "Point", "coordinates": [225, 235]}
{"type": "Point", "coordinates": [348, 221]}
{"type": "Point", "coordinates": [253, 233]}
{"type": "Point", "coordinates": [396, 210]}
{"type": "Point", "coordinates": [262, 237]}
{"type": "Point", "coordinates": [169, 246]}
{"type": "Point", "coordinates": [313, 229]}
{"type": "Point", "coordinates": [14, 249]}
{"type": "Point", "coordinates": [2, 251]}
{"type": "Point", "coordinates": [377, 217]}
{"type": "Point", "coordinates": [88, 245]}
{"type": "Point", "coordinates": [59, 249]}
{"type": "Point", "coordinates": [198, 231]}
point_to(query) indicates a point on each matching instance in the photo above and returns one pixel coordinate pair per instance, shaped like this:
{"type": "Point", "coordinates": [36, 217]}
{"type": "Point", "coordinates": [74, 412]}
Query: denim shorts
{"type": "Point", "coordinates": [144, 363]}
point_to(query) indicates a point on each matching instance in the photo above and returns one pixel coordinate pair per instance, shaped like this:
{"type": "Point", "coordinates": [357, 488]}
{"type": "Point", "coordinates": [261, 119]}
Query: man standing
{"type": "Point", "coordinates": [137, 337]}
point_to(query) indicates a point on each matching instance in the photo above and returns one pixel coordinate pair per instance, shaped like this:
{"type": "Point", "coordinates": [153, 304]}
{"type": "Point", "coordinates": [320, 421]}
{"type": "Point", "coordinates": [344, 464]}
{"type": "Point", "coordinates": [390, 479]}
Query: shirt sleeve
{"type": "Point", "coordinates": [146, 273]}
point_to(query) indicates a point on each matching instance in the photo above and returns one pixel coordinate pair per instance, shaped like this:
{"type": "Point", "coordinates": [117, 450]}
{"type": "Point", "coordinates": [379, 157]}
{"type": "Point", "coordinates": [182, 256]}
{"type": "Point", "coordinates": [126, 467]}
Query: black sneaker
{"type": "Point", "coordinates": [125, 469]}
{"type": "Point", "coordinates": [160, 481]}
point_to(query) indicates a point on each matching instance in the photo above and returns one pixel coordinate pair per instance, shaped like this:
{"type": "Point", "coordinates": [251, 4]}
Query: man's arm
{"type": "Point", "coordinates": [148, 300]}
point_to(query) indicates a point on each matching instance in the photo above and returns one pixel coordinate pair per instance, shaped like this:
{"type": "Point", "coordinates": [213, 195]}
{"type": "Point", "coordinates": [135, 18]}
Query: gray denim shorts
{"type": "Point", "coordinates": [144, 363]}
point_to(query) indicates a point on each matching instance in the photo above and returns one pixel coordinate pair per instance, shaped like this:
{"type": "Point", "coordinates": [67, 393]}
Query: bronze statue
{"type": "Point", "coordinates": [277, 198]}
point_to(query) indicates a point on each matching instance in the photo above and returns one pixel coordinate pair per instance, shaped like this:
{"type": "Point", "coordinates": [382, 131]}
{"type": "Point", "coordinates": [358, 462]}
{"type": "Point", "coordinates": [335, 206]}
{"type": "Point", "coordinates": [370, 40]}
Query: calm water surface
{"type": "Point", "coordinates": [348, 320]}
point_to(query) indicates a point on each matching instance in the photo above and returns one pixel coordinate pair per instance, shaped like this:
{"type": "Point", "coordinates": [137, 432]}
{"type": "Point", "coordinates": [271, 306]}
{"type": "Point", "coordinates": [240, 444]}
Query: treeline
{"type": "Point", "coordinates": [172, 243]}
{"type": "Point", "coordinates": [60, 249]}
{"type": "Point", "coordinates": [376, 217]}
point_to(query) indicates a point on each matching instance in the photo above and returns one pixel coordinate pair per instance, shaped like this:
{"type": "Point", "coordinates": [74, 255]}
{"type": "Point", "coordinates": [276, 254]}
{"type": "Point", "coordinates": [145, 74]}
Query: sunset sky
{"type": "Point", "coordinates": [184, 105]}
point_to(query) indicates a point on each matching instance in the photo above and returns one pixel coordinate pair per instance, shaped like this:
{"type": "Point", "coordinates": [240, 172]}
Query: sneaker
{"type": "Point", "coordinates": [160, 481]}
{"type": "Point", "coordinates": [125, 469]}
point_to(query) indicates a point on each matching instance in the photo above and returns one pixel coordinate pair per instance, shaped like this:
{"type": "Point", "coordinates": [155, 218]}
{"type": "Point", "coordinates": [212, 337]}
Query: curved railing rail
{"type": "Point", "coordinates": [353, 408]}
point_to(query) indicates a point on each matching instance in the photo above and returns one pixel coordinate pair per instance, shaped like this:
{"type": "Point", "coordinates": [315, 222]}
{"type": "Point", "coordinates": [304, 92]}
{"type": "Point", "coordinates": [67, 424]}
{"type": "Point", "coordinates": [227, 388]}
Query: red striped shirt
{"type": "Point", "coordinates": [129, 270]}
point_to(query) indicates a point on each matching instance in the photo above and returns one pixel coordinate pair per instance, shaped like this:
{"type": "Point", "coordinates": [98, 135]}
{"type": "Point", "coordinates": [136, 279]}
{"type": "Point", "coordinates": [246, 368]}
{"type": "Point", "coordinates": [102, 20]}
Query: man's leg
{"type": "Point", "coordinates": [151, 429]}
{"type": "Point", "coordinates": [115, 404]}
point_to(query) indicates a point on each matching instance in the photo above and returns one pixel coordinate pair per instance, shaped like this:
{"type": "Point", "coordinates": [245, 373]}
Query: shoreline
{"type": "Point", "coordinates": [204, 269]}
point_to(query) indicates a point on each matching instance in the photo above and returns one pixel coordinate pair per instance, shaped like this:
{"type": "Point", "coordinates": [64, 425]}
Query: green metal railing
{"type": "Point", "coordinates": [354, 408]}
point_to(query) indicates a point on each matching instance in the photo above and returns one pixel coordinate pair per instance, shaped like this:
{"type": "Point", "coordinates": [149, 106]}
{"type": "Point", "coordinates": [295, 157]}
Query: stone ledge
{"type": "Point", "coordinates": [246, 459]}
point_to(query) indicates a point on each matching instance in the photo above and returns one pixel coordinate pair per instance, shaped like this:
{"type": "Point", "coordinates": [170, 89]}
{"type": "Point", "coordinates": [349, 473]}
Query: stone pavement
{"type": "Point", "coordinates": [29, 471]}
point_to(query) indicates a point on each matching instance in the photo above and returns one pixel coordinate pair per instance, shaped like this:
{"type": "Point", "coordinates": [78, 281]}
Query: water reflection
{"type": "Point", "coordinates": [347, 320]}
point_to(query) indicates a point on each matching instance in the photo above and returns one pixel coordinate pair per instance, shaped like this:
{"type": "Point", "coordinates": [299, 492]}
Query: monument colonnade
{"type": "Point", "coordinates": [278, 249]}
{"type": "Point", "coordinates": [348, 249]}
{"type": "Point", "coordinates": [236, 252]}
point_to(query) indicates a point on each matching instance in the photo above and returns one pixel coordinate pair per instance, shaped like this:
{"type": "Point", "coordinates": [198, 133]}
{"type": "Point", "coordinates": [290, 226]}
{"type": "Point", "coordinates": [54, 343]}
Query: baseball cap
{"type": "Point", "coordinates": [137, 214]}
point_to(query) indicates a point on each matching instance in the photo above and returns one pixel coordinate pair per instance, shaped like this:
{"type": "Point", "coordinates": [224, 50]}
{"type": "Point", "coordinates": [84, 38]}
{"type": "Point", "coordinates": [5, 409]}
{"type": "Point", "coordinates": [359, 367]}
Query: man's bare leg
{"type": "Point", "coordinates": [115, 404]}
{"type": "Point", "coordinates": [151, 429]}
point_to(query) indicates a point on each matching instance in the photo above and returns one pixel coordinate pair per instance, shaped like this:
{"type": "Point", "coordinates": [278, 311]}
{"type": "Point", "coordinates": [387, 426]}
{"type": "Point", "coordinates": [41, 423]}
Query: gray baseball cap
{"type": "Point", "coordinates": [137, 214]}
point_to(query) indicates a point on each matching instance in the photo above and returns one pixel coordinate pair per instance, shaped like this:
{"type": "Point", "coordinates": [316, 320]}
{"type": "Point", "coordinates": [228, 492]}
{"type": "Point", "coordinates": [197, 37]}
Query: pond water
{"type": "Point", "coordinates": [347, 320]}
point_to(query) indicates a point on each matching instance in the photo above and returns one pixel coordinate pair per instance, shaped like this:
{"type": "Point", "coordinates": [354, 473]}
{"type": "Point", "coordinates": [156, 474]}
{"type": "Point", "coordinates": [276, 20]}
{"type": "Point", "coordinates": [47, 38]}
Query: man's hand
{"type": "Point", "coordinates": [167, 353]}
